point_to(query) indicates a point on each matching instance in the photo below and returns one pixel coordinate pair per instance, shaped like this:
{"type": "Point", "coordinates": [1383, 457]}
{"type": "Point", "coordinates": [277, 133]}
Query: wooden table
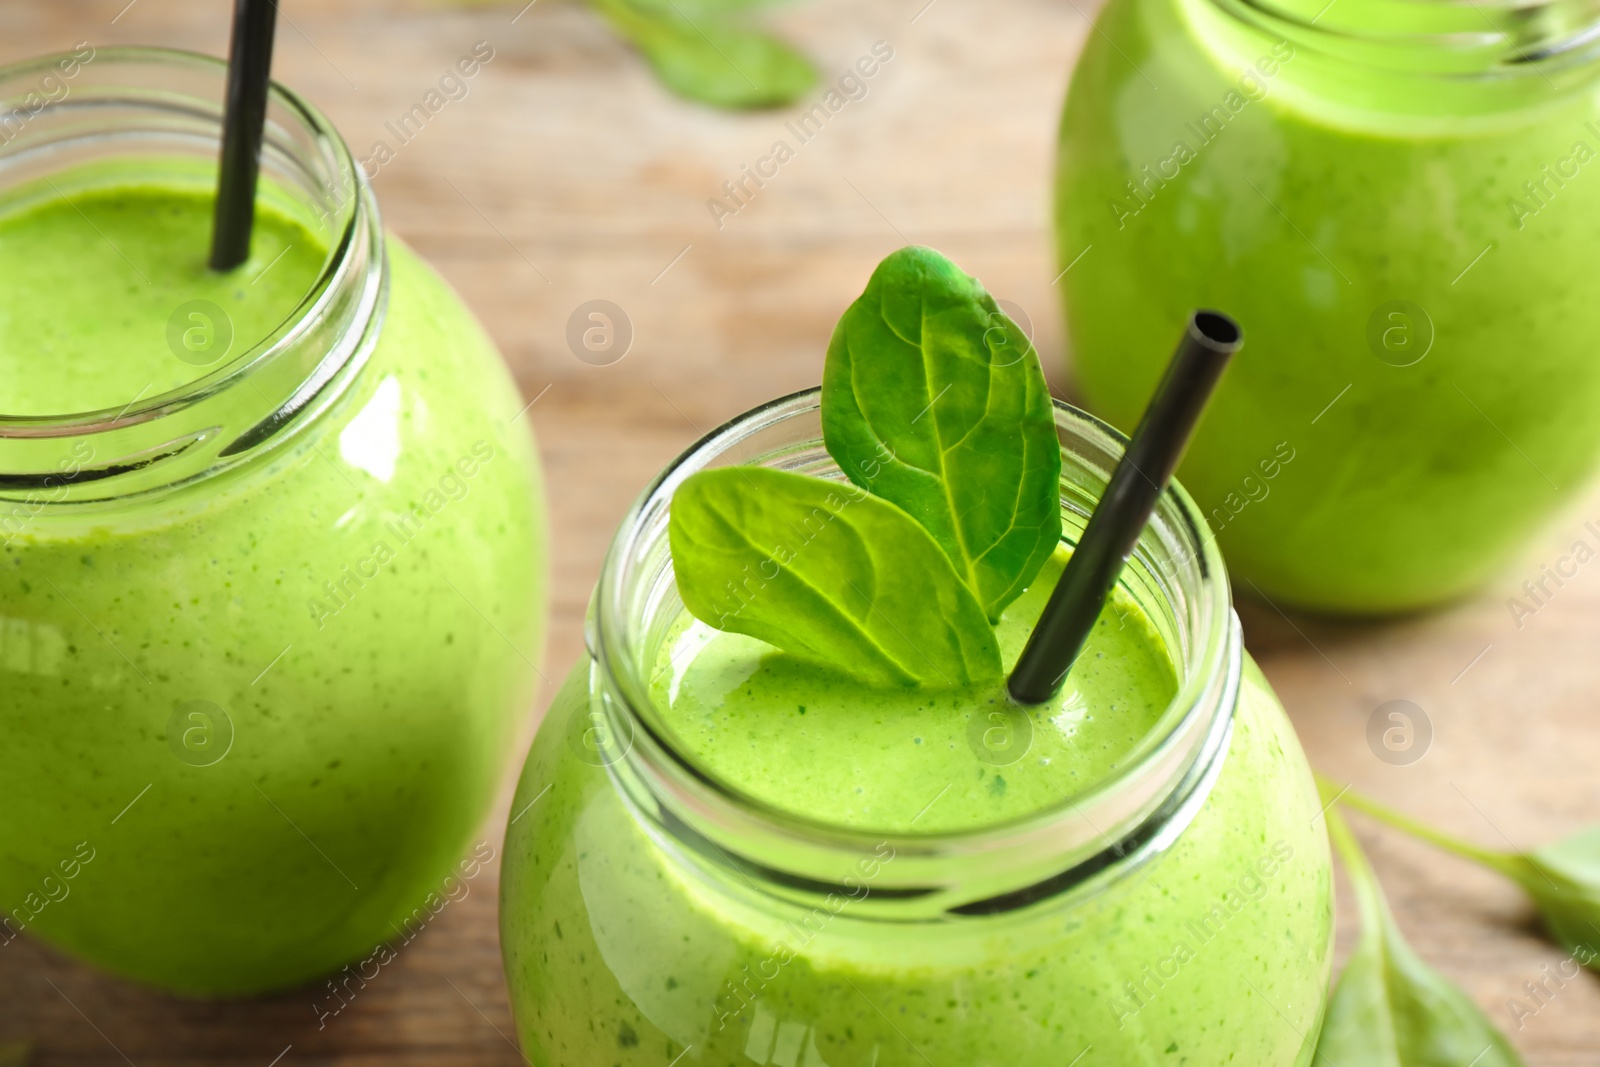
{"type": "Point", "coordinates": [567, 175]}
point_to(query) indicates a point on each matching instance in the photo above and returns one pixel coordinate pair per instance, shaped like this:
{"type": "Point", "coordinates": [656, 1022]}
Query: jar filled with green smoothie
{"type": "Point", "coordinates": [271, 544]}
{"type": "Point", "coordinates": [720, 852]}
{"type": "Point", "coordinates": [1397, 202]}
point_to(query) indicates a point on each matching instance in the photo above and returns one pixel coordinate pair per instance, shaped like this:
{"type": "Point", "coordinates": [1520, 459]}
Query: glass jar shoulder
{"type": "Point", "coordinates": [600, 922]}
{"type": "Point", "coordinates": [423, 488]}
{"type": "Point", "coordinates": [1179, 106]}
{"type": "Point", "coordinates": [429, 428]}
{"type": "Point", "coordinates": [1151, 61]}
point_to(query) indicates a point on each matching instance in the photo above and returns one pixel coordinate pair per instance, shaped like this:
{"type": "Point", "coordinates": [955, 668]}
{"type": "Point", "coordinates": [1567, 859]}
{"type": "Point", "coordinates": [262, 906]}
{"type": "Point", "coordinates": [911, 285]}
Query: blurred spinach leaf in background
{"type": "Point", "coordinates": [709, 51]}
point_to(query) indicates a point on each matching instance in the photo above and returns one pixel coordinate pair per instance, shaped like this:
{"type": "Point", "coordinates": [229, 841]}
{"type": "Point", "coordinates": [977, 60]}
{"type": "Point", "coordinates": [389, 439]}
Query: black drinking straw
{"type": "Point", "coordinates": [1209, 340]}
{"type": "Point", "coordinates": [243, 120]}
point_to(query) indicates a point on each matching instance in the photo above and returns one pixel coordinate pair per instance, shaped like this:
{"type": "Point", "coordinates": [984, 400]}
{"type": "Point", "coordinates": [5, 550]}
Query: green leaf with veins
{"type": "Point", "coordinates": [1390, 1009]}
{"type": "Point", "coordinates": [1563, 878]}
{"type": "Point", "coordinates": [713, 59]}
{"type": "Point", "coordinates": [829, 573]}
{"type": "Point", "coordinates": [933, 399]}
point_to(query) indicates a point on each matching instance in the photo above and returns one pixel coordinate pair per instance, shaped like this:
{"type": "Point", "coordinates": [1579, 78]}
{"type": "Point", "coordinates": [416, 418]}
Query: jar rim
{"type": "Point", "coordinates": [296, 366]}
{"type": "Point", "coordinates": [312, 304]}
{"type": "Point", "coordinates": [1169, 773]}
{"type": "Point", "coordinates": [1469, 43]}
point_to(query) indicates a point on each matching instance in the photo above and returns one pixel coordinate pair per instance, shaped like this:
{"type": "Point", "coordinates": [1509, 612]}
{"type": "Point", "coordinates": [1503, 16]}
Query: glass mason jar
{"type": "Point", "coordinates": [266, 639]}
{"type": "Point", "coordinates": [1397, 202]}
{"type": "Point", "coordinates": [651, 913]}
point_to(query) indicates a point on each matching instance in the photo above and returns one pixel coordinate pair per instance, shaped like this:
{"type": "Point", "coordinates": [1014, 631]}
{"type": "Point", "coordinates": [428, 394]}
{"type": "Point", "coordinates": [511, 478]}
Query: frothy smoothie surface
{"type": "Point", "coordinates": [97, 279]}
{"type": "Point", "coordinates": [818, 743]}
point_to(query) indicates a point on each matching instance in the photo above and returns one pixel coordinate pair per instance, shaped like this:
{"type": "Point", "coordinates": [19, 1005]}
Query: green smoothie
{"type": "Point", "coordinates": [253, 721]}
{"type": "Point", "coordinates": [619, 953]}
{"type": "Point", "coordinates": [1408, 253]}
{"type": "Point", "coordinates": [96, 277]}
{"type": "Point", "coordinates": [811, 740]}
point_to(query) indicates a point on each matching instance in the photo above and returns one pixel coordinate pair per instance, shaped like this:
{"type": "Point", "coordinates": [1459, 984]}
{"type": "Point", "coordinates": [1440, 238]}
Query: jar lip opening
{"type": "Point", "coordinates": [1210, 655]}
{"type": "Point", "coordinates": [320, 293]}
{"type": "Point", "coordinates": [1438, 40]}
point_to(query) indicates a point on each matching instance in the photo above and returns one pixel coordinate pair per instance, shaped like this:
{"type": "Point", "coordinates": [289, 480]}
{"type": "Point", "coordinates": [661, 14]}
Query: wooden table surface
{"type": "Point", "coordinates": [567, 175]}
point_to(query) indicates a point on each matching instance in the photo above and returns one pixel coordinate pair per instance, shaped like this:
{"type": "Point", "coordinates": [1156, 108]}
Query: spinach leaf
{"type": "Point", "coordinates": [933, 399]}
{"type": "Point", "coordinates": [715, 60]}
{"type": "Point", "coordinates": [1389, 1009]}
{"type": "Point", "coordinates": [827, 572]}
{"type": "Point", "coordinates": [1563, 878]}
